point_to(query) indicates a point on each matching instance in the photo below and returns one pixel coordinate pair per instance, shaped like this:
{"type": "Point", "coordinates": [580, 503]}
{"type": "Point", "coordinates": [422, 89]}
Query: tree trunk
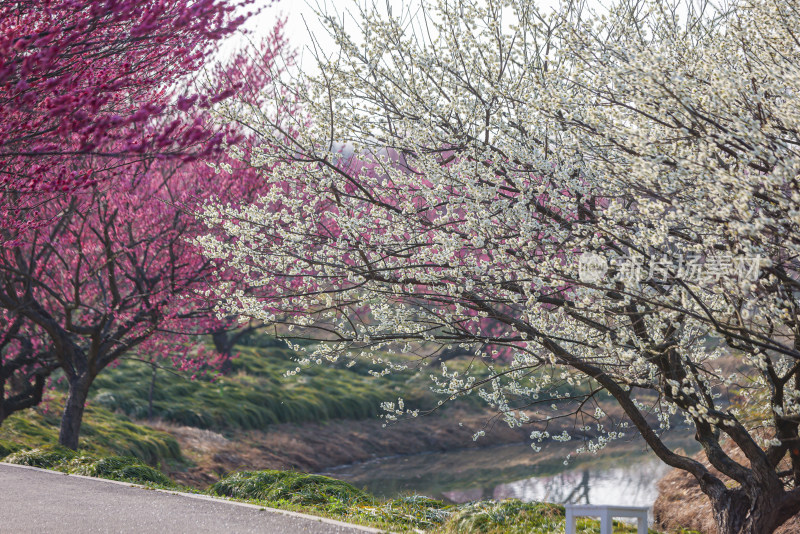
{"type": "Point", "coordinates": [735, 513]}
{"type": "Point", "coordinates": [30, 395]}
{"type": "Point", "coordinates": [151, 392]}
{"type": "Point", "coordinates": [3, 413]}
{"type": "Point", "coordinates": [73, 412]}
{"type": "Point", "coordinates": [224, 346]}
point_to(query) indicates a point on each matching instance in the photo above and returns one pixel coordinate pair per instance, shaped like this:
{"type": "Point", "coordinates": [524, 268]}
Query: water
{"type": "Point", "coordinates": [630, 485]}
{"type": "Point", "coordinates": [622, 474]}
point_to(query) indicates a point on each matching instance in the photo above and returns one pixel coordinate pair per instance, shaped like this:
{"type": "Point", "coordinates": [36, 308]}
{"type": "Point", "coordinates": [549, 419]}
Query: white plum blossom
{"type": "Point", "coordinates": [489, 146]}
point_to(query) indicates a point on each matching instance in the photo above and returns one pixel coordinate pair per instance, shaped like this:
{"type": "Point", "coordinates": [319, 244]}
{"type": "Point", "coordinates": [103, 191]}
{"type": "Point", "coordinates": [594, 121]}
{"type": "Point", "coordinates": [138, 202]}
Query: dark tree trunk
{"type": "Point", "coordinates": [73, 411]}
{"type": "Point", "coordinates": [21, 385]}
{"type": "Point", "coordinates": [730, 512]}
{"type": "Point", "coordinates": [29, 397]}
{"type": "Point", "coordinates": [736, 513]}
{"type": "Point", "coordinates": [3, 410]}
{"type": "Point", "coordinates": [150, 393]}
{"type": "Point", "coordinates": [223, 344]}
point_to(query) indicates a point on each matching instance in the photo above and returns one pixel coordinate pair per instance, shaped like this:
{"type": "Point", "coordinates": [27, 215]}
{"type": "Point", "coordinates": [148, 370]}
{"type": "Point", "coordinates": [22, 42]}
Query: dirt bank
{"type": "Point", "coordinates": [316, 446]}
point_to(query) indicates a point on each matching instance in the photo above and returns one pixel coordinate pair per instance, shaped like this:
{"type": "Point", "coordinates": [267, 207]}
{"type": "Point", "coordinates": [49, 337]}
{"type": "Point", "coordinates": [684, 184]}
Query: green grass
{"type": "Point", "coordinates": [103, 433]}
{"type": "Point", "coordinates": [50, 457]}
{"type": "Point", "coordinates": [123, 468]}
{"type": "Point", "coordinates": [333, 498]}
{"type": "Point", "coordinates": [327, 497]}
{"type": "Point", "coordinates": [257, 393]}
{"type": "Point", "coordinates": [512, 516]}
{"type": "Point", "coordinates": [291, 487]}
{"type": "Point", "coordinates": [509, 516]}
{"type": "Point", "coordinates": [126, 468]}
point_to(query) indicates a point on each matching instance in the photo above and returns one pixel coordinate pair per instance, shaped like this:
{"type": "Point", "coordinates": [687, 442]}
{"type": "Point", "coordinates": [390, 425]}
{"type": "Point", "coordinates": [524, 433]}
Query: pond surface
{"type": "Point", "coordinates": [622, 474]}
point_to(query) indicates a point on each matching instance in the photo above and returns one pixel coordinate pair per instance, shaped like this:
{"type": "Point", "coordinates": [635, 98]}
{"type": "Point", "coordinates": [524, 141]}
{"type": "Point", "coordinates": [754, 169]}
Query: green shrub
{"type": "Point", "coordinates": [297, 488]}
{"type": "Point", "coordinates": [509, 516]}
{"type": "Point", "coordinates": [124, 468]}
{"type": "Point", "coordinates": [45, 457]}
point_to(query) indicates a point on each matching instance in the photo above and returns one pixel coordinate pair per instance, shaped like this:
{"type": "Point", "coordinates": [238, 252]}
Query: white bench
{"type": "Point", "coordinates": [606, 515]}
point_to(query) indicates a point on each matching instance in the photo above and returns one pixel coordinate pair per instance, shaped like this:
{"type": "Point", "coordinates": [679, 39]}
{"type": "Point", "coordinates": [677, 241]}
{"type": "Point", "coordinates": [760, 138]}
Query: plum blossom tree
{"type": "Point", "coordinates": [86, 87]}
{"type": "Point", "coordinates": [115, 269]}
{"type": "Point", "coordinates": [614, 194]}
{"type": "Point", "coordinates": [25, 365]}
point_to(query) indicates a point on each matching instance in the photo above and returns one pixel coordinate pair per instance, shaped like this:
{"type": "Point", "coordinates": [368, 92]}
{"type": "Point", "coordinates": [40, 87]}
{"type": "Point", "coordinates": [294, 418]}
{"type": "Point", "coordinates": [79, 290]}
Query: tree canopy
{"type": "Point", "coordinates": [610, 197]}
{"type": "Point", "coordinates": [107, 266]}
{"type": "Point", "coordinates": [94, 83]}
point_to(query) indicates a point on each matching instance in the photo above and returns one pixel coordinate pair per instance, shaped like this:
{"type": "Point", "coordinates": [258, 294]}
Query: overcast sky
{"type": "Point", "coordinates": [302, 21]}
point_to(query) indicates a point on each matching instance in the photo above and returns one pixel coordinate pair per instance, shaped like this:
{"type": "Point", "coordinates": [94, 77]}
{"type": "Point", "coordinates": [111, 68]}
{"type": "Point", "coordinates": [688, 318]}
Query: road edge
{"type": "Point", "coordinates": [204, 497]}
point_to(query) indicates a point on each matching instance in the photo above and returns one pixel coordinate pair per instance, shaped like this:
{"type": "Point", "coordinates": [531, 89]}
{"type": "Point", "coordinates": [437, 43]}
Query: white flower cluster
{"type": "Point", "coordinates": [485, 155]}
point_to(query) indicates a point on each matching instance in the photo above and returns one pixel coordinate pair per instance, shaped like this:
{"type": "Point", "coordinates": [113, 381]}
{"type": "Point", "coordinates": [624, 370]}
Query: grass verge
{"type": "Point", "coordinates": [122, 468]}
{"type": "Point", "coordinates": [333, 498]}
{"type": "Point", "coordinates": [103, 434]}
{"type": "Point", "coordinates": [327, 497]}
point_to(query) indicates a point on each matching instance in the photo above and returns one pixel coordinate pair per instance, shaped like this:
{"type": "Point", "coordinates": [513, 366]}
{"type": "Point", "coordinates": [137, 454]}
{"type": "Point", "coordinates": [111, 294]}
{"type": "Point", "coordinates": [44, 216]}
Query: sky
{"type": "Point", "coordinates": [302, 21]}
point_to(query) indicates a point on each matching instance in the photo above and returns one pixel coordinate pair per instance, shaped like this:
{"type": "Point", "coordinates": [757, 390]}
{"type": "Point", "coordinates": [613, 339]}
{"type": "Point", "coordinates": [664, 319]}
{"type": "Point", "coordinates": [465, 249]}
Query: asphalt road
{"type": "Point", "coordinates": [39, 501]}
